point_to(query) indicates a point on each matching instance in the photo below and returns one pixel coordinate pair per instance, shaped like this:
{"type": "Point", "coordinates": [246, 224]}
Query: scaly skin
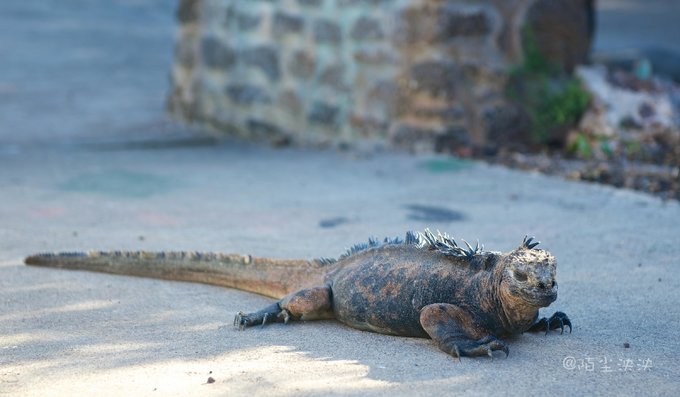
{"type": "Point", "coordinates": [465, 299]}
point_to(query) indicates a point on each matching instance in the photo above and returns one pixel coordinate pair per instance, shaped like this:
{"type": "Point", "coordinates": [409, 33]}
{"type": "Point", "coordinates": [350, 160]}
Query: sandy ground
{"type": "Point", "coordinates": [67, 332]}
{"type": "Point", "coordinates": [79, 74]}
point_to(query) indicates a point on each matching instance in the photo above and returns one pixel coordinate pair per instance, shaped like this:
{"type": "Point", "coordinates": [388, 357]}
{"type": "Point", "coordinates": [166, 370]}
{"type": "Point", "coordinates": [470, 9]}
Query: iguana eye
{"type": "Point", "coordinates": [520, 275]}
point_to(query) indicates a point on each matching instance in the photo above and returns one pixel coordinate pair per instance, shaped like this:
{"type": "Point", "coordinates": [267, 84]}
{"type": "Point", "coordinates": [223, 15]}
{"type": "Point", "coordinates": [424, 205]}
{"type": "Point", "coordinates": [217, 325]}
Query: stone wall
{"type": "Point", "coordinates": [419, 74]}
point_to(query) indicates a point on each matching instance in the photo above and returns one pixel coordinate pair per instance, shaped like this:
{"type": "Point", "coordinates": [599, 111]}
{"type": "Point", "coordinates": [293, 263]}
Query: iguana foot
{"type": "Point", "coordinates": [453, 328]}
{"type": "Point", "coordinates": [270, 314]}
{"type": "Point", "coordinates": [306, 304]}
{"type": "Point", "coordinates": [470, 348]}
{"type": "Point", "coordinates": [557, 320]}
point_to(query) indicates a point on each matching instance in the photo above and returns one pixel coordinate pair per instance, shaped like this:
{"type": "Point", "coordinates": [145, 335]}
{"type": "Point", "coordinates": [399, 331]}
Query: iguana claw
{"type": "Point", "coordinates": [241, 321]}
{"type": "Point", "coordinates": [557, 320]}
{"type": "Point", "coordinates": [284, 315]}
{"type": "Point", "coordinates": [483, 347]}
{"type": "Point", "coordinates": [268, 315]}
{"type": "Point", "coordinates": [491, 343]}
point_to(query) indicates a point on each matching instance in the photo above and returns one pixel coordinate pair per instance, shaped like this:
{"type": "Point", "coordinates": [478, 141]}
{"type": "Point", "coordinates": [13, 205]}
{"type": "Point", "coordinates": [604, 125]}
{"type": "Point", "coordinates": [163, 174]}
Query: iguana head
{"type": "Point", "coordinates": [529, 274]}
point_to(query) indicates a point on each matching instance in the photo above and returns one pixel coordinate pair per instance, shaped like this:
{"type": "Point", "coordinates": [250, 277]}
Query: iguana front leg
{"type": "Point", "coordinates": [306, 304]}
{"type": "Point", "coordinates": [456, 332]}
{"type": "Point", "coordinates": [557, 320]}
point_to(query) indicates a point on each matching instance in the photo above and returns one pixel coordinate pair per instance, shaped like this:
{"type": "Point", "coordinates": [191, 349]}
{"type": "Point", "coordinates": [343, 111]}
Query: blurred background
{"type": "Point", "coordinates": [486, 79]}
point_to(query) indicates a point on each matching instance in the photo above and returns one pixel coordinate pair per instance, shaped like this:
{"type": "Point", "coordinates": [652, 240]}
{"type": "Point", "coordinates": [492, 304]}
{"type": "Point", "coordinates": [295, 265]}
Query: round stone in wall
{"type": "Point", "coordinates": [562, 30]}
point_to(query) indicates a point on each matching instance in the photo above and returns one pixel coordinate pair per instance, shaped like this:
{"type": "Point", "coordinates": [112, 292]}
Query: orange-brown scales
{"type": "Point", "coordinates": [464, 298]}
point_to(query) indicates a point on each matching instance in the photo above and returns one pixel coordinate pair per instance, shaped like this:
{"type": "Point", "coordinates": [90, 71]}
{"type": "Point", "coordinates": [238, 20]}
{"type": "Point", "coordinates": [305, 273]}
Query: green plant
{"type": "Point", "coordinates": [553, 100]}
{"type": "Point", "coordinates": [581, 147]}
{"type": "Point", "coordinates": [633, 148]}
{"type": "Point", "coordinates": [533, 62]}
{"type": "Point", "coordinates": [561, 108]}
{"type": "Point", "coordinates": [606, 148]}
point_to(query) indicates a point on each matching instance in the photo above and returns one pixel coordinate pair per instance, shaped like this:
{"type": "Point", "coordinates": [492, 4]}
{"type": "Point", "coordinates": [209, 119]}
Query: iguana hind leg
{"type": "Point", "coordinates": [456, 333]}
{"type": "Point", "coordinates": [307, 304]}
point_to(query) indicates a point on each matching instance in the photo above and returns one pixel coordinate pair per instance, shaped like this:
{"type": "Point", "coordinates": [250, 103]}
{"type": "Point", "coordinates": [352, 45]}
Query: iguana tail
{"type": "Point", "coordinates": [270, 277]}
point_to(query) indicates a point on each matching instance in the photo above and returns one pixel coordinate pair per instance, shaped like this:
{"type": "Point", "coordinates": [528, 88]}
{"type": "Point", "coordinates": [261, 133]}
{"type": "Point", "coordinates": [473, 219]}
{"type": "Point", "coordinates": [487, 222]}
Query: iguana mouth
{"type": "Point", "coordinates": [533, 295]}
{"type": "Point", "coordinates": [540, 298]}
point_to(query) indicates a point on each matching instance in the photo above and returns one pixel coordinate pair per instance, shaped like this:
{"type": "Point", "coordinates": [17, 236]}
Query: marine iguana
{"type": "Point", "coordinates": [464, 298]}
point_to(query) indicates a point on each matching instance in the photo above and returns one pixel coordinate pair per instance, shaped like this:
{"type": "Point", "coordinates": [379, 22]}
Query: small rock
{"type": "Point", "coordinates": [265, 58]}
{"type": "Point", "coordinates": [302, 64]}
{"type": "Point", "coordinates": [311, 3]}
{"type": "Point", "coordinates": [248, 22]}
{"type": "Point", "coordinates": [366, 28]}
{"type": "Point", "coordinates": [247, 94]}
{"type": "Point", "coordinates": [326, 31]}
{"type": "Point", "coordinates": [439, 78]}
{"type": "Point", "coordinates": [452, 23]}
{"type": "Point", "coordinates": [333, 76]}
{"type": "Point", "coordinates": [324, 113]}
{"type": "Point", "coordinates": [217, 55]}
{"type": "Point", "coordinates": [287, 23]}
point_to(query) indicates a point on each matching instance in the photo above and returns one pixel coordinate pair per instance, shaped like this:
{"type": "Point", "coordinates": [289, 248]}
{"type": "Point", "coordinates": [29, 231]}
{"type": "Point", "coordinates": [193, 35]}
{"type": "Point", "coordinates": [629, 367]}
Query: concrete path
{"type": "Point", "coordinates": [77, 70]}
{"type": "Point", "coordinates": [77, 333]}
{"type": "Point", "coordinates": [67, 184]}
{"type": "Point", "coordinates": [624, 25]}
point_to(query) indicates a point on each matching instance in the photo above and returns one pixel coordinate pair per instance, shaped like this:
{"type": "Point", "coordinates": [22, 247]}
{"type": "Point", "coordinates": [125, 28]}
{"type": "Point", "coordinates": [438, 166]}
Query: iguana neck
{"type": "Point", "coordinates": [515, 313]}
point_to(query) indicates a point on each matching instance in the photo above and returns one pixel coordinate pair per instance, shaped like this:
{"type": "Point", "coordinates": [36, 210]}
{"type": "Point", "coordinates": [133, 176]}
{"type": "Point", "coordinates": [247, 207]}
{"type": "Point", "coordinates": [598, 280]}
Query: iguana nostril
{"type": "Point", "coordinates": [547, 284]}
